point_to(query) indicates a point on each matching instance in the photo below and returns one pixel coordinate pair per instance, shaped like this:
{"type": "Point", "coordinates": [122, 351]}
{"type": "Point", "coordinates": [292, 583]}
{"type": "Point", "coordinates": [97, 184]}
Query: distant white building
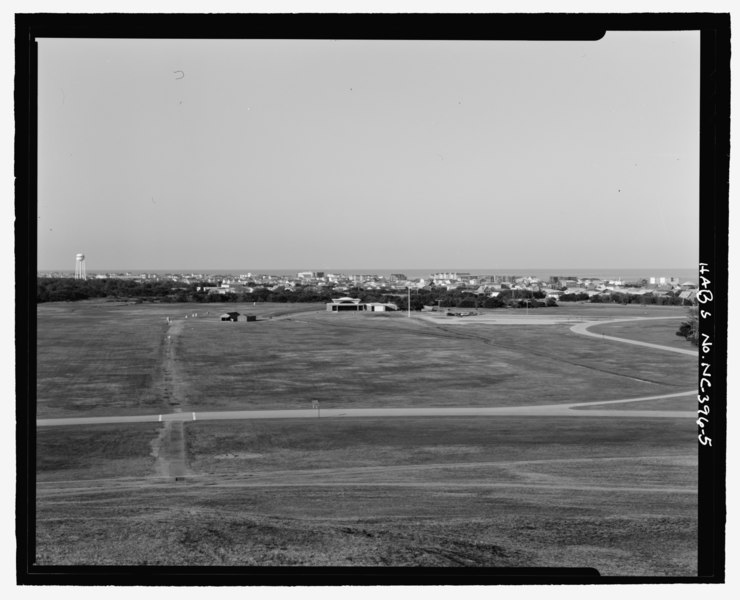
{"type": "Point", "coordinates": [664, 281]}
{"type": "Point", "coordinates": [449, 277]}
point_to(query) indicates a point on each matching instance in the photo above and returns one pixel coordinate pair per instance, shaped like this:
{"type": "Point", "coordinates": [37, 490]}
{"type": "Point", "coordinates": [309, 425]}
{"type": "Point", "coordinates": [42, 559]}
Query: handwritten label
{"type": "Point", "coordinates": [704, 297]}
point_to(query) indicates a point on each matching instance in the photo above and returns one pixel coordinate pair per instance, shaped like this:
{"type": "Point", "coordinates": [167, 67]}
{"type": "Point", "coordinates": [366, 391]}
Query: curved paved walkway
{"type": "Point", "coordinates": [539, 410]}
{"type": "Point", "coordinates": [583, 329]}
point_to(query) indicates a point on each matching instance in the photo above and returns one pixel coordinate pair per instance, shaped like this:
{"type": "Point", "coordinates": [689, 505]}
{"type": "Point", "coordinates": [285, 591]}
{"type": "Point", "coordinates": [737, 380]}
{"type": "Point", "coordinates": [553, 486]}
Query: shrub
{"type": "Point", "coordinates": [690, 329]}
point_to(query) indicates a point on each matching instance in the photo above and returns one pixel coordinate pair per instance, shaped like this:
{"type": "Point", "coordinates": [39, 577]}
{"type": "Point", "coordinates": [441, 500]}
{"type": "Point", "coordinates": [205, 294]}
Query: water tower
{"type": "Point", "coordinates": [80, 267]}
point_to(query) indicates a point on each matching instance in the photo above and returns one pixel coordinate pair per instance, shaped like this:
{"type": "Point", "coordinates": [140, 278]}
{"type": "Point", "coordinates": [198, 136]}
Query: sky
{"type": "Point", "coordinates": [324, 154]}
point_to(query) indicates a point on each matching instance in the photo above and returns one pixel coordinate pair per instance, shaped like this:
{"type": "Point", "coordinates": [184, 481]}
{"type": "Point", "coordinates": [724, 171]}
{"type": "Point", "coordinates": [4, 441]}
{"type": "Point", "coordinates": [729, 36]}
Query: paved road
{"type": "Point", "coordinates": [582, 328]}
{"type": "Point", "coordinates": [541, 410]}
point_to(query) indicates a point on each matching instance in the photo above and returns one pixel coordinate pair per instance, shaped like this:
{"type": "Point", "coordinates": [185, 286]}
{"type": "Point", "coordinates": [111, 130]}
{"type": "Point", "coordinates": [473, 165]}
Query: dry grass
{"type": "Point", "coordinates": [407, 492]}
{"type": "Point", "coordinates": [69, 453]}
{"type": "Point", "coordinates": [329, 443]}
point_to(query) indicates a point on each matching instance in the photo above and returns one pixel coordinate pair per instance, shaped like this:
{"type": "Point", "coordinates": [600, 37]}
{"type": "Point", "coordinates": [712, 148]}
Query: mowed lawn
{"type": "Point", "coordinates": [106, 358]}
{"type": "Point", "coordinates": [98, 358]}
{"type": "Point", "coordinates": [365, 360]}
{"type": "Point", "coordinates": [617, 495]}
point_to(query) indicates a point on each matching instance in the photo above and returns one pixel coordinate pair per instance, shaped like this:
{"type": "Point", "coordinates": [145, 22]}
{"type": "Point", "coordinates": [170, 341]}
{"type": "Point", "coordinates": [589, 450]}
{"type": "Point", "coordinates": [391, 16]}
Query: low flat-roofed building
{"type": "Point", "coordinates": [380, 306]}
{"type": "Point", "coordinates": [354, 304]}
{"type": "Point", "coordinates": [343, 304]}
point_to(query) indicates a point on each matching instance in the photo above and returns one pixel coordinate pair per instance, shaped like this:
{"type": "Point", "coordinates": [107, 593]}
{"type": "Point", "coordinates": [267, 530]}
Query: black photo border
{"type": "Point", "coordinates": [714, 232]}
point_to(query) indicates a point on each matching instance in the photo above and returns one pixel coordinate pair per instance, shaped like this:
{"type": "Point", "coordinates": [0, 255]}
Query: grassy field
{"type": "Point", "coordinates": [365, 361]}
{"type": "Point", "coordinates": [107, 357]}
{"type": "Point", "coordinates": [94, 357]}
{"type": "Point", "coordinates": [595, 311]}
{"type": "Point", "coordinates": [71, 453]}
{"type": "Point", "coordinates": [110, 359]}
{"type": "Point", "coordinates": [427, 492]}
{"type": "Point", "coordinates": [616, 494]}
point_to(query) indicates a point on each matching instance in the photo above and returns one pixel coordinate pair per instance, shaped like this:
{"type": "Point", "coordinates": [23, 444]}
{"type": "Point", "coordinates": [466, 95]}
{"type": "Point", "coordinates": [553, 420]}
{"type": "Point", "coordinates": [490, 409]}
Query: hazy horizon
{"type": "Point", "coordinates": [523, 271]}
{"type": "Point", "coordinates": [356, 153]}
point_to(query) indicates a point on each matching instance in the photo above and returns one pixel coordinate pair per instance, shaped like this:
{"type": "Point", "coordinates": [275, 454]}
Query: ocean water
{"type": "Point", "coordinates": [624, 274]}
{"type": "Point", "coordinates": [627, 274]}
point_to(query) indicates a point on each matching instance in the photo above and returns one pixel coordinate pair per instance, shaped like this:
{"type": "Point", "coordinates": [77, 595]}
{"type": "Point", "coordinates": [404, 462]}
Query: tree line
{"type": "Point", "coordinates": [669, 299]}
{"type": "Point", "coordinates": [59, 289]}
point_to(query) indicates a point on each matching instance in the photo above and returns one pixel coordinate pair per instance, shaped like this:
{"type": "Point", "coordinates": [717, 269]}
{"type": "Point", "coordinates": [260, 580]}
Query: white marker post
{"type": "Point", "coordinates": [193, 416]}
{"type": "Point", "coordinates": [315, 404]}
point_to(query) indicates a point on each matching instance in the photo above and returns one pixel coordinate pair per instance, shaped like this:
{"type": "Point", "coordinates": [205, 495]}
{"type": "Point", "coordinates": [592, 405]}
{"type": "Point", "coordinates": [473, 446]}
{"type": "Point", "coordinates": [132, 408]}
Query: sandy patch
{"type": "Point", "coordinates": [501, 319]}
{"type": "Point", "coordinates": [237, 455]}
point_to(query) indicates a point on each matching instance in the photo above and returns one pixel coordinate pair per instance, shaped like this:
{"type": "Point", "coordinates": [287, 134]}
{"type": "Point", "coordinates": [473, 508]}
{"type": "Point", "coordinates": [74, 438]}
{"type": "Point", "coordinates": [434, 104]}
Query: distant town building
{"type": "Point", "coordinates": [212, 290]}
{"type": "Point", "coordinates": [444, 277]}
{"type": "Point", "coordinates": [688, 296]}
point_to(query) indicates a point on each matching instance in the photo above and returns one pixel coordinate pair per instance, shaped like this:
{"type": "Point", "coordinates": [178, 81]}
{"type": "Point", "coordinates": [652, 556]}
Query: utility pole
{"type": "Point", "coordinates": [408, 289]}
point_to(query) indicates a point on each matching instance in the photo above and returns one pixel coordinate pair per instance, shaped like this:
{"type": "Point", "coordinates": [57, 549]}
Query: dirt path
{"type": "Point", "coordinates": [328, 472]}
{"type": "Point", "coordinates": [168, 448]}
{"type": "Point", "coordinates": [242, 482]}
